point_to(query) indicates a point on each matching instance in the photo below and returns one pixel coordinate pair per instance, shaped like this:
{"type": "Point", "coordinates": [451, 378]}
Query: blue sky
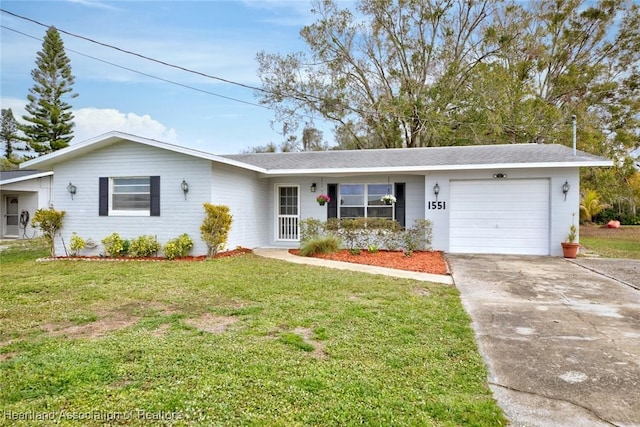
{"type": "Point", "coordinates": [219, 38]}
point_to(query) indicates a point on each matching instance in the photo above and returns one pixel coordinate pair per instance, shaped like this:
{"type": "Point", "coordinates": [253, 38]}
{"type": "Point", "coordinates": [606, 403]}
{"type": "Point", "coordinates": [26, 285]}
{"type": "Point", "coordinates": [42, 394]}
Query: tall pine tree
{"type": "Point", "coordinates": [50, 124]}
{"type": "Point", "coordinates": [8, 133]}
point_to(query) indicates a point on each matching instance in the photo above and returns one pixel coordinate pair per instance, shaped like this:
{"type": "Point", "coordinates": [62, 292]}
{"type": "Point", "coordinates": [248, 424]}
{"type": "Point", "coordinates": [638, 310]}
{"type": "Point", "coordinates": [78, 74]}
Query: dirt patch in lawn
{"type": "Point", "coordinates": [7, 356]}
{"type": "Point", "coordinates": [307, 335]}
{"type": "Point", "coordinates": [95, 329]}
{"type": "Point", "coordinates": [212, 324]}
{"type": "Point", "coordinates": [421, 261]}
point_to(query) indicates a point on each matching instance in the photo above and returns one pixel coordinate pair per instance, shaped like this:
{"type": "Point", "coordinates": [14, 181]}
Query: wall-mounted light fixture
{"type": "Point", "coordinates": [565, 189]}
{"type": "Point", "coordinates": [185, 188]}
{"type": "Point", "coordinates": [313, 187]}
{"type": "Point", "coordinates": [436, 190]}
{"type": "Point", "coordinates": [499, 175]}
{"type": "Point", "coordinates": [72, 189]}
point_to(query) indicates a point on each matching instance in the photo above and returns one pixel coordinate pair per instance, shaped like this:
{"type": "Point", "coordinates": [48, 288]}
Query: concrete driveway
{"type": "Point", "coordinates": [562, 342]}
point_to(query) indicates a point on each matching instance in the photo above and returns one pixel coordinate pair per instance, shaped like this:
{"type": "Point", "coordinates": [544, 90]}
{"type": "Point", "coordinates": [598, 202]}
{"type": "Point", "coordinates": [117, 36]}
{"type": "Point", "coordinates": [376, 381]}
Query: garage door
{"type": "Point", "coordinates": [509, 216]}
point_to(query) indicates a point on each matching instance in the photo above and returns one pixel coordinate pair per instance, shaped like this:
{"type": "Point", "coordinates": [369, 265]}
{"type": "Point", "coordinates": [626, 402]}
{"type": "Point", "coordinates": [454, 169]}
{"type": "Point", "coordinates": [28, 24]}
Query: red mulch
{"type": "Point", "coordinates": [421, 261]}
{"type": "Point", "coordinates": [191, 258]}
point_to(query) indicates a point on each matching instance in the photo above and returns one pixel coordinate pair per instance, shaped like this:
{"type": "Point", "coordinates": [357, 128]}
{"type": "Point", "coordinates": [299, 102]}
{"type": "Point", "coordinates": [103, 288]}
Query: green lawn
{"type": "Point", "coordinates": [621, 242]}
{"type": "Point", "coordinates": [233, 341]}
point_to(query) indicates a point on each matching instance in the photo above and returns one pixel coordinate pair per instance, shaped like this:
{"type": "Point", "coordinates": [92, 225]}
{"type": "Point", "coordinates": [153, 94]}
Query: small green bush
{"type": "Point", "coordinates": [178, 247]}
{"type": "Point", "coordinates": [114, 245]}
{"type": "Point", "coordinates": [418, 237]}
{"type": "Point", "coordinates": [319, 245]}
{"type": "Point", "coordinates": [144, 246]}
{"type": "Point", "coordinates": [77, 244]}
{"type": "Point", "coordinates": [215, 227]}
{"type": "Point", "coordinates": [49, 221]}
{"type": "Point", "coordinates": [310, 228]}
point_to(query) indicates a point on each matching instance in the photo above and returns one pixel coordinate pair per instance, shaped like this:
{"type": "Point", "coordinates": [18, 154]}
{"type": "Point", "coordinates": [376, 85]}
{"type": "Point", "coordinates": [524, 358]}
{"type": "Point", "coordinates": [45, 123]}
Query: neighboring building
{"type": "Point", "coordinates": [508, 199]}
{"type": "Point", "coordinates": [22, 192]}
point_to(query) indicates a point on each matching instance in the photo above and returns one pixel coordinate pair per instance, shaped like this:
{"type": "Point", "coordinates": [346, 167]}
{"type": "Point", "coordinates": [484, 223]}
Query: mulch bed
{"type": "Point", "coordinates": [225, 254]}
{"type": "Point", "coordinates": [432, 262]}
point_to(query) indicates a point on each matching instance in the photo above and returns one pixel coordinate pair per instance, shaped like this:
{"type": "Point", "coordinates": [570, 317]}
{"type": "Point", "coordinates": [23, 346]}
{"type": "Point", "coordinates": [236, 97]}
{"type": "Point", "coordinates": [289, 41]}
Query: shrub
{"type": "Point", "coordinates": [372, 233]}
{"type": "Point", "coordinates": [77, 244]}
{"type": "Point", "coordinates": [319, 245]}
{"type": "Point", "coordinates": [590, 205]}
{"type": "Point", "coordinates": [144, 246]}
{"type": "Point", "coordinates": [49, 221]}
{"type": "Point", "coordinates": [215, 227]}
{"type": "Point", "coordinates": [178, 247]}
{"type": "Point", "coordinates": [310, 228]}
{"type": "Point", "coordinates": [114, 245]}
{"type": "Point", "coordinates": [418, 237]}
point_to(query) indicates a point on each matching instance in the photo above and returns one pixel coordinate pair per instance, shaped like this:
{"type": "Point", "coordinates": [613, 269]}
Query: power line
{"type": "Point", "coordinates": [179, 67]}
{"type": "Point", "coordinates": [144, 74]}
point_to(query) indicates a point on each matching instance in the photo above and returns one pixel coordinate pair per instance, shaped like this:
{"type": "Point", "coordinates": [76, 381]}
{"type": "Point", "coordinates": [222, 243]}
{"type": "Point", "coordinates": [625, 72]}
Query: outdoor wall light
{"type": "Point", "coordinates": [565, 189]}
{"type": "Point", "coordinates": [72, 189]}
{"type": "Point", "coordinates": [185, 188]}
{"type": "Point", "coordinates": [313, 187]}
{"type": "Point", "coordinates": [436, 190]}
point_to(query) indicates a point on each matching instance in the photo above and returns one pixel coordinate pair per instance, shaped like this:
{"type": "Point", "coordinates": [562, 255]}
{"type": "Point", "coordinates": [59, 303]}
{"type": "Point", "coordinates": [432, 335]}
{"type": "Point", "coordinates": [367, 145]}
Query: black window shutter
{"type": "Point", "coordinates": [332, 209]}
{"type": "Point", "coordinates": [103, 196]}
{"type": "Point", "coordinates": [155, 195]}
{"type": "Point", "coordinates": [400, 204]}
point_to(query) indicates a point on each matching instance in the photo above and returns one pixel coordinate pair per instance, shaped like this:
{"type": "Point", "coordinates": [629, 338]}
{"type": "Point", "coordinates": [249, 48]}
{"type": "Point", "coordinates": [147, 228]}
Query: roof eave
{"type": "Point", "coordinates": [436, 168]}
{"type": "Point", "coordinates": [49, 160]}
{"type": "Point", "coordinates": [26, 178]}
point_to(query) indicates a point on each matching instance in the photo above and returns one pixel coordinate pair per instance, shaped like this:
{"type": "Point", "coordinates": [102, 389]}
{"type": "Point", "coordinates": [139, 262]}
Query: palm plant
{"type": "Point", "coordinates": [590, 205]}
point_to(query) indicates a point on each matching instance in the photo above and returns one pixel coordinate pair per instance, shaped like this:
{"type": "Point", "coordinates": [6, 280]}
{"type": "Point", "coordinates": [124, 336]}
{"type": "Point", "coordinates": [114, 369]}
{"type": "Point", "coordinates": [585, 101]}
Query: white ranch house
{"type": "Point", "coordinates": [503, 199]}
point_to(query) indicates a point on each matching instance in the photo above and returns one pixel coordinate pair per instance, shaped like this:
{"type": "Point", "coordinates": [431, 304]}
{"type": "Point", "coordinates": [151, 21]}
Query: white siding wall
{"type": "Point", "coordinates": [247, 197]}
{"type": "Point", "coordinates": [309, 208]}
{"type": "Point", "coordinates": [560, 210]}
{"type": "Point", "coordinates": [177, 215]}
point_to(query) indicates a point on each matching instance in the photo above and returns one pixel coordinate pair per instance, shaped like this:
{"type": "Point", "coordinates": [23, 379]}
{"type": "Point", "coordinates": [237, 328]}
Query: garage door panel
{"type": "Point", "coordinates": [493, 216]}
{"type": "Point", "coordinates": [478, 223]}
{"type": "Point", "coordinates": [503, 233]}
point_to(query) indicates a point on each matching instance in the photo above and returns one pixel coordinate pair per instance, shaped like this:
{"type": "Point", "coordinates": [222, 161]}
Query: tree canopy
{"type": "Point", "coordinates": [49, 122]}
{"type": "Point", "coordinates": [394, 73]}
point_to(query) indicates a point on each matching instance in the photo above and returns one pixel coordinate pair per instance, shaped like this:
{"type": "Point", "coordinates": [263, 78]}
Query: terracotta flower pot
{"type": "Point", "coordinates": [570, 250]}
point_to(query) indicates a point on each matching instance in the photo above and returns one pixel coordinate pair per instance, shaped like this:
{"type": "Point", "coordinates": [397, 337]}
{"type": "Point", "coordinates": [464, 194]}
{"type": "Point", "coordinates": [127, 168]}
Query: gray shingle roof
{"type": "Point", "coordinates": [7, 175]}
{"type": "Point", "coordinates": [431, 158]}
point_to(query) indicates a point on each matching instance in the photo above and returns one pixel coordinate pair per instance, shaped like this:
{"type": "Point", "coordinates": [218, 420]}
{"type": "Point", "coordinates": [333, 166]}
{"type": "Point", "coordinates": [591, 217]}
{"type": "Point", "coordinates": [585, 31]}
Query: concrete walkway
{"type": "Point", "coordinates": [284, 255]}
{"type": "Point", "coordinates": [562, 342]}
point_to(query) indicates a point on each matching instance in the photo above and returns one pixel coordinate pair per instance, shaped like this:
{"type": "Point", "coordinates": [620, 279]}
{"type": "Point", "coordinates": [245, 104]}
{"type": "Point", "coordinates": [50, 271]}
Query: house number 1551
{"type": "Point", "coordinates": [436, 205]}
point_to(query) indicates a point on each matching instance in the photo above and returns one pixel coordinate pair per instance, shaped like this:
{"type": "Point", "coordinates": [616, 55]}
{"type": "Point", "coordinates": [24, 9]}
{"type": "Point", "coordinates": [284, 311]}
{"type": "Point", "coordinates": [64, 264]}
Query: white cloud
{"type": "Point", "coordinates": [94, 4]}
{"type": "Point", "coordinates": [91, 122]}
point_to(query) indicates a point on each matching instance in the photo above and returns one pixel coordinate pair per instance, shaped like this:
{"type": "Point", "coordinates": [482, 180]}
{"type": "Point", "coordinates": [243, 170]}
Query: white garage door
{"type": "Point", "coordinates": [507, 216]}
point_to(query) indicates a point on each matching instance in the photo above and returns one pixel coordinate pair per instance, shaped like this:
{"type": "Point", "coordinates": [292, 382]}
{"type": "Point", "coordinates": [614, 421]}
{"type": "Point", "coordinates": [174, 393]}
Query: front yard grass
{"type": "Point", "coordinates": [623, 242]}
{"type": "Point", "coordinates": [232, 341]}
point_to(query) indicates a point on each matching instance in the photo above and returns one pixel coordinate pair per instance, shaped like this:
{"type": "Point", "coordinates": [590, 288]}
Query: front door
{"type": "Point", "coordinates": [288, 213]}
{"type": "Point", "coordinates": [10, 225]}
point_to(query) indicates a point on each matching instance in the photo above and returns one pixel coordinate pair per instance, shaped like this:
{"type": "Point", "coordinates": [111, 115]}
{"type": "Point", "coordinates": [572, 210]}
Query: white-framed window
{"type": "Point", "coordinates": [364, 200]}
{"type": "Point", "coordinates": [130, 195]}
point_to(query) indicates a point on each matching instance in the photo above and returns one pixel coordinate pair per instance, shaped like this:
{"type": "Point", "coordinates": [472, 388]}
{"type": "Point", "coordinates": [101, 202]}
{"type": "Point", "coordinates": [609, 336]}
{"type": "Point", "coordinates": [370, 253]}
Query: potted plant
{"type": "Point", "coordinates": [570, 246]}
{"type": "Point", "coordinates": [388, 199]}
{"type": "Point", "coordinates": [322, 199]}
